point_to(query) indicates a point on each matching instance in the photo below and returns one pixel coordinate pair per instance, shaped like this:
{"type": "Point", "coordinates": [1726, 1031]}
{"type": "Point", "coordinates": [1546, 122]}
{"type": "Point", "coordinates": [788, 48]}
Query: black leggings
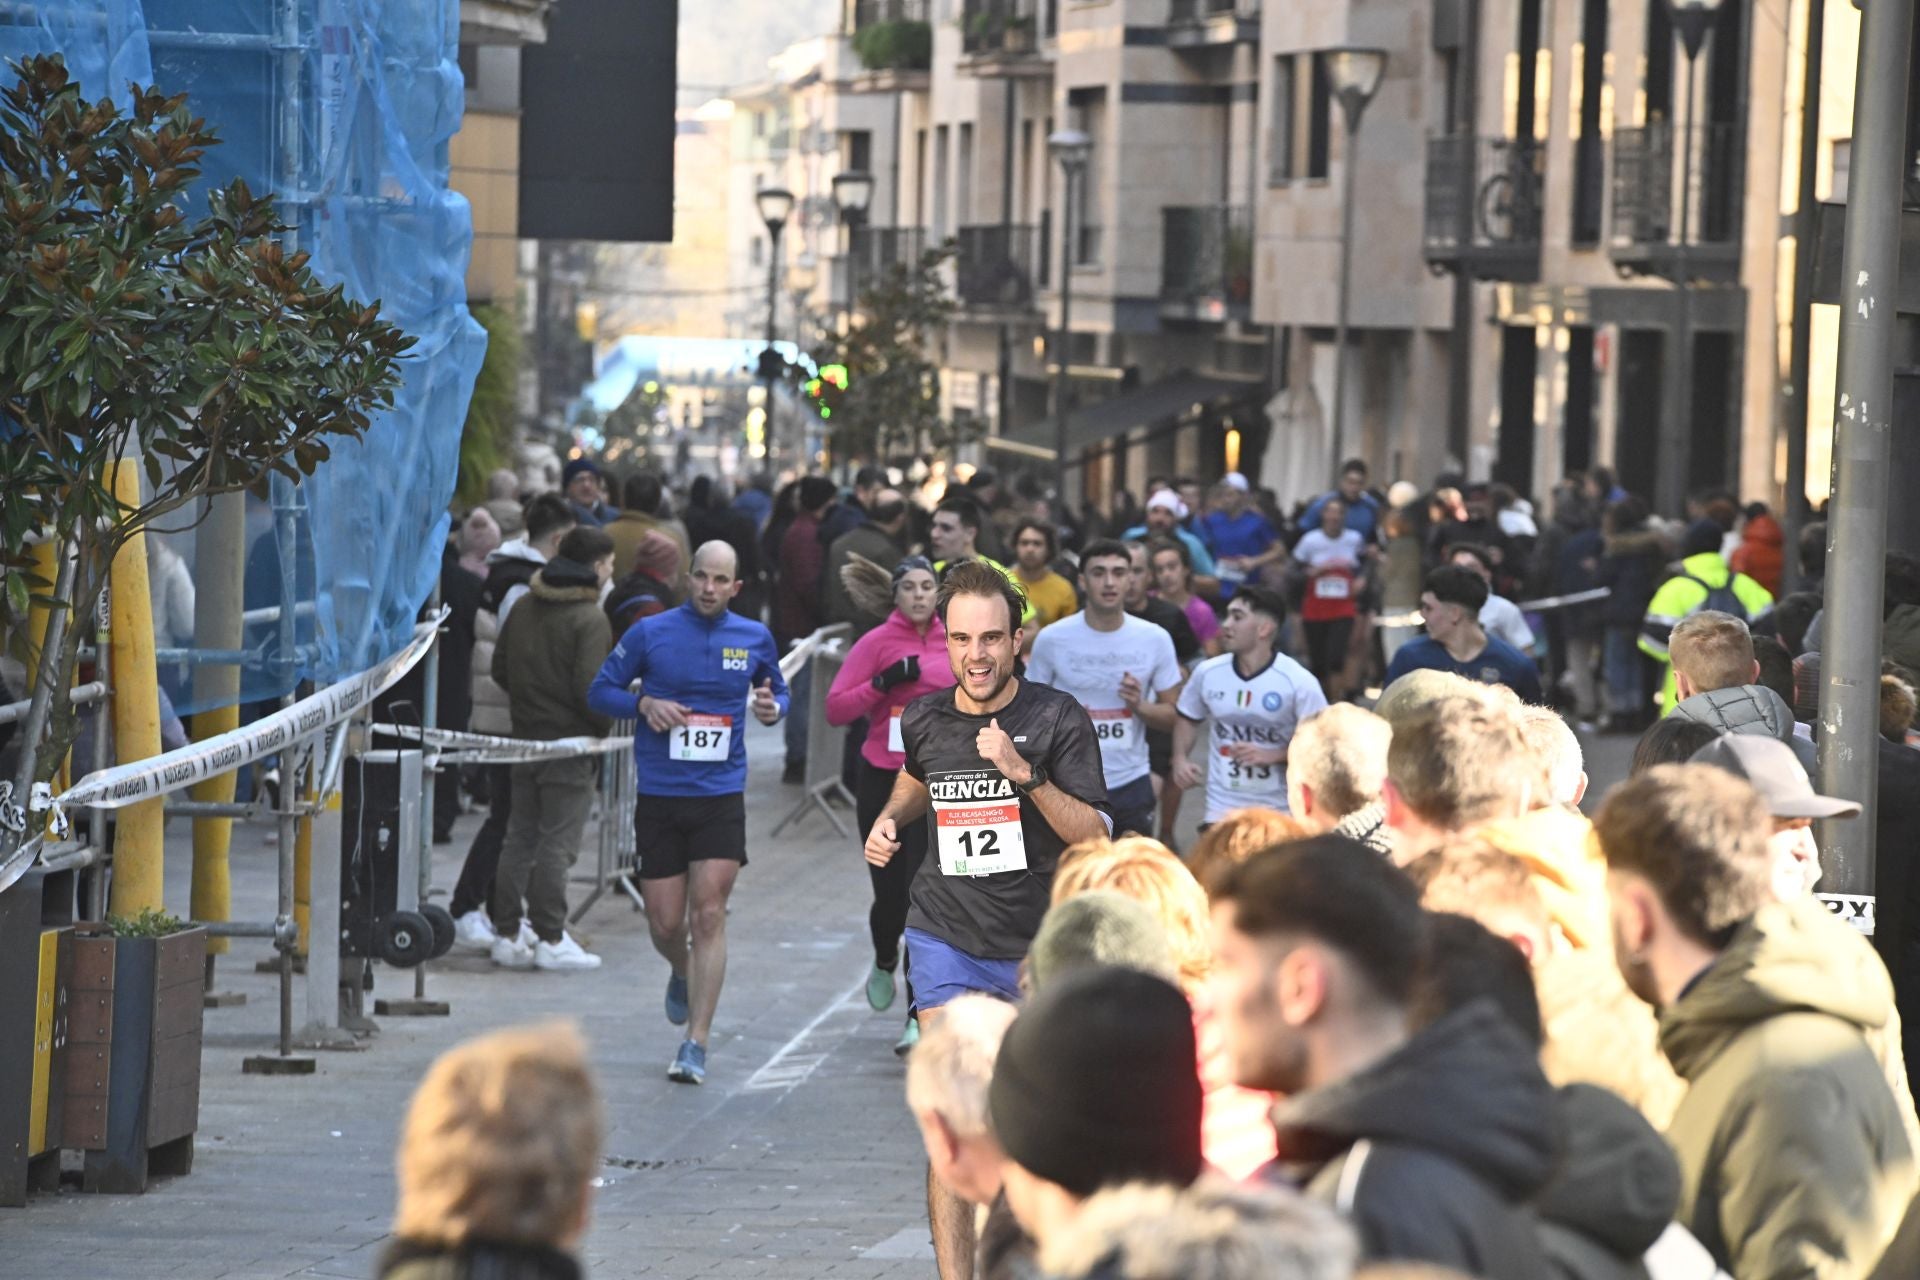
{"type": "Point", "coordinates": [1327, 646]}
{"type": "Point", "coordinates": [888, 917]}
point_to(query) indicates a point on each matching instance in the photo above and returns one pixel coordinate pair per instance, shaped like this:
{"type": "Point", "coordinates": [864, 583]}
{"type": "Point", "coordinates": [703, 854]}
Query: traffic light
{"type": "Point", "coordinates": [827, 389]}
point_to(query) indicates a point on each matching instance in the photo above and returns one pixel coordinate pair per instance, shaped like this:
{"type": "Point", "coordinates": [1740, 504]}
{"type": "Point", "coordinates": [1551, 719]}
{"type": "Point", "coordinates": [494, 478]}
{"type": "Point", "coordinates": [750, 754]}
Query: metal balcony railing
{"type": "Point", "coordinates": [1194, 10]}
{"type": "Point", "coordinates": [876, 250]}
{"type": "Point", "coordinates": [1647, 172]}
{"type": "Point", "coordinates": [1000, 26]}
{"type": "Point", "coordinates": [994, 265]}
{"type": "Point", "coordinates": [1484, 200]}
{"type": "Point", "coordinates": [868, 13]}
{"type": "Point", "coordinates": [1206, 257]}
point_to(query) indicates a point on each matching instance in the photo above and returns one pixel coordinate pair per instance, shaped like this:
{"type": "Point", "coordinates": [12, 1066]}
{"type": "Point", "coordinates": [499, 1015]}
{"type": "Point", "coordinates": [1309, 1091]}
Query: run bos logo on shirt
{"type": "Point", "coordinates": [732, 659]}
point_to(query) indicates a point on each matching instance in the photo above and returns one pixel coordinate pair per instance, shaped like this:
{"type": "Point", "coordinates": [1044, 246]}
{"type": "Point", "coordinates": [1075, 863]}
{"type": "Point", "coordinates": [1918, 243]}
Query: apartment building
{"type": "Point", "coordinates": [1535, 179]}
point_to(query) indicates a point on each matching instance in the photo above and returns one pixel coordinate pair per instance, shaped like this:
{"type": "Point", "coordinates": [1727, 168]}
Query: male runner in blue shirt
{"type": "Point", "coordinates": [699, 667]}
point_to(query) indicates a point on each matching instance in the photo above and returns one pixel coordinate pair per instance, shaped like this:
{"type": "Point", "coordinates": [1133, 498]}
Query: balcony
{"type": "Point", "coordinates": [893, 37]}
{"type": "Point", "coordinates": [1646, 188]}
{"type": "Point", "coordinates": [1207, 24]}
{"type": "Point", "coordinates": [1484, 199]}
{"type": "Point", "coordinates": [1001, 39]}
{"type": "Point", "coordinates": [1206, 262]}
{"type": "Point", "coordinates": [872, 252]}
{"type": "Point", "coordinates": [994, 267]}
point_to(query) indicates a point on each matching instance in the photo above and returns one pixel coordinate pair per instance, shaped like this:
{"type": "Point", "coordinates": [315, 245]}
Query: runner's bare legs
{"type": "Point", "coordinates": [948, 1216]}
{"type": "Point", "coordinates": [712, 883]}
{"type": "Point", "coordinates": [666, 902]}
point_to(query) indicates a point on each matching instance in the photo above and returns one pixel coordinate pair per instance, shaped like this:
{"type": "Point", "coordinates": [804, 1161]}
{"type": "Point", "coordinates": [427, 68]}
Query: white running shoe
{"type": "Point", "coordinates": [564, 954]}
{"type": "Point", "coordinates": [474, 932]}
{"type": "Point", "coordinates": [528, 938]}
{"type": "Point", "coordinates": [511, 953]}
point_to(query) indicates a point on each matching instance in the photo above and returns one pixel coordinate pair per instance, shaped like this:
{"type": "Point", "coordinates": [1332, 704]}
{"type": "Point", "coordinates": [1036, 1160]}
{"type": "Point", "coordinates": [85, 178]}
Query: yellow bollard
{"type": "Point", "coordinates": [139, 852]}
{"type": "Point", "coordinates": [218, 571]}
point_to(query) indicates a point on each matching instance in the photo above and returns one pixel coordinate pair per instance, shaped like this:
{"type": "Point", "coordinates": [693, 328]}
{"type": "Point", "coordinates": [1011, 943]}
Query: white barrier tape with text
{"type": "Point", "coordinates": [1412, 618]}
{"type": "Point", "coordinates": [175, 770]}
{"type": "Point", "coordinates": [456, 747]}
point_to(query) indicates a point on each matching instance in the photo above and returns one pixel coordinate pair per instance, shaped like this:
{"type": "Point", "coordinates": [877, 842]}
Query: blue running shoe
{"type": "Point", "coordinates": [677, 1000]}
{"type": "Point", "coordinates": [689, 1065]}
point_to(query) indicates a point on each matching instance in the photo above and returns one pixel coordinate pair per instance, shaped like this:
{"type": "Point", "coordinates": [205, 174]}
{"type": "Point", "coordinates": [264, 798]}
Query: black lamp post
{"type": "Point", "coordinates": [776, 206]}
{"type": "Point", "coordinates": [1072, 148]}
{"type": "Point", "coordinates": [852, 194]}
{"type": "Point", "coordinates": [1355, 75]}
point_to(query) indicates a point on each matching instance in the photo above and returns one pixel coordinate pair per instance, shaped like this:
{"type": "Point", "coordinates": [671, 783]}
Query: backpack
{"type": "Point", "coordinates": [1719, 599]}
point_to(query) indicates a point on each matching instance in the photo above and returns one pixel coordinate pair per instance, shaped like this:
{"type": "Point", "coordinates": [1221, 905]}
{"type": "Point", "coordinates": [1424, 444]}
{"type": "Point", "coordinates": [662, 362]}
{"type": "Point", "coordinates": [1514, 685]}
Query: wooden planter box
{"type": "Point", "coordinates": [134, 1028]}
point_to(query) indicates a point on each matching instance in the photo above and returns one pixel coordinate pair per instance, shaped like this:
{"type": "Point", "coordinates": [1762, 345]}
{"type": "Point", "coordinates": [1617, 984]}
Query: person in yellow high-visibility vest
{"type": "Point", "coordinates": [1704, 581]}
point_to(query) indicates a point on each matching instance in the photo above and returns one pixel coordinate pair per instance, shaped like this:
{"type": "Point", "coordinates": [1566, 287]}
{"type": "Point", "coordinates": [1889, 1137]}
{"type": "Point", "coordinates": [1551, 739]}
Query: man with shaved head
{"type": "Point", "coordinates": [688, 676]}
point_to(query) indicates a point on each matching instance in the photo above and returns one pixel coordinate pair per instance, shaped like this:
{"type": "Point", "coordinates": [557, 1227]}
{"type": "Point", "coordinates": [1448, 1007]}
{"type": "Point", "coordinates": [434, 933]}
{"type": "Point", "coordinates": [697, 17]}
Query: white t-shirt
{"type": "Point", "coordinates": [1315, 548]}
{"type": "Point", "coordinates": [1076, 659]}
{"type": "Point", "coordinates": [1501, 617]}
{"type": "Point", "coordinates": [1264, 711]}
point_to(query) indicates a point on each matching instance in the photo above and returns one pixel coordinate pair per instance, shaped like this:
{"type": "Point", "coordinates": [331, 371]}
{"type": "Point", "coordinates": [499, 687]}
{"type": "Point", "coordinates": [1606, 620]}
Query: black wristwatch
{"type": "Point", "coordinates": [1033, 784]}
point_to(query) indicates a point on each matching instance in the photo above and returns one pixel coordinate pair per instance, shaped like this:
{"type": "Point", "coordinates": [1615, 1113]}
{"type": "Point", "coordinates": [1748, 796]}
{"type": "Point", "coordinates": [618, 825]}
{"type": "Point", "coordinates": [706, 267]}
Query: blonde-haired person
{"type": "Point", "coordinates": [1235, 1133]}
{"type": "Point", "coordinates": [496, 1160]}
{"type": "Point", "coordinates": [1238, 836]}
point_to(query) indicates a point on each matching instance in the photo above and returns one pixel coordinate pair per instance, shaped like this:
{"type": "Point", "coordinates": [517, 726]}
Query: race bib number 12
{"type": "Point", "coordinates": [976, 823]}
{"type": "Point", "coordinates": [702, 738]}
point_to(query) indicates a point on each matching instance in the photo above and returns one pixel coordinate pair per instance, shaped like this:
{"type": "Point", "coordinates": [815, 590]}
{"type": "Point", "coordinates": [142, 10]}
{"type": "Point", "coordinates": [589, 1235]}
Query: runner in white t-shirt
{"type": "Point", "coordinates": [1122, 669]}
{"type": "Point", "coordinates": [1254, 698]}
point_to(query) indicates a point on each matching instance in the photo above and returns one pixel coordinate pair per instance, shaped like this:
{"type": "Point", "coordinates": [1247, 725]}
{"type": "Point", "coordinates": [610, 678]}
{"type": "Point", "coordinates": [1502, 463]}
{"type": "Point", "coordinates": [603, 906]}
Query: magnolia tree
{"type": "Point", "coordinates": [200, 347]}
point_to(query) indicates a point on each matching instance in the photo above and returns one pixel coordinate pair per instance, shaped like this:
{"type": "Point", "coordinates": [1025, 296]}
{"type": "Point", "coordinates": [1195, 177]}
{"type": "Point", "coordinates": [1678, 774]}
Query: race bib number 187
{"type": "Point", "coordinates": [702, 738]}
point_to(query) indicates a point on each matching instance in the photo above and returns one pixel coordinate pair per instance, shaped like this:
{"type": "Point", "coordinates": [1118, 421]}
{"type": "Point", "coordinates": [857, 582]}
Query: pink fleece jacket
{"type": "Point", "coordinates": [853, 694]}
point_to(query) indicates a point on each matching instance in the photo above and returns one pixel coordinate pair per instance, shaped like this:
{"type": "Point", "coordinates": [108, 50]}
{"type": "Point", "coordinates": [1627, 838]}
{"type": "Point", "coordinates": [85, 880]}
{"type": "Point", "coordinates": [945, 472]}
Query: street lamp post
{"type": "Point", "coordinates": [776, 206]}
{"type": "Point", "coordinates": [1355, 76]}
{"type": "Point", "coordinates": [1693, 19]}
{"type": "Point", "coordinates": [852, 194]}
{"type": "Point", "coordinates": [1072, 148]}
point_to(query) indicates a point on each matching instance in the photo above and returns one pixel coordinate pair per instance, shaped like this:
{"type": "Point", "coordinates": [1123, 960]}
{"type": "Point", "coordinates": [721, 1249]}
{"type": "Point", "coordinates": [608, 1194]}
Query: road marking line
{"type": "Point", "coordinates": [782, 1073]}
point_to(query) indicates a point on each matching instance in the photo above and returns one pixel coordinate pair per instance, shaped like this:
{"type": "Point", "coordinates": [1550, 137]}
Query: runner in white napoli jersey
{"type": "Point", "coordinates": [1252, 699]}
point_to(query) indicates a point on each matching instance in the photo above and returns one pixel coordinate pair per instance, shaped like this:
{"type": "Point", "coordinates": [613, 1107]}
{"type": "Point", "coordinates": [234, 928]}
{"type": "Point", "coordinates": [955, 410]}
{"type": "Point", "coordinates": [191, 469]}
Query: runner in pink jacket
{"type": "Point", "coordinates": [896, 662]}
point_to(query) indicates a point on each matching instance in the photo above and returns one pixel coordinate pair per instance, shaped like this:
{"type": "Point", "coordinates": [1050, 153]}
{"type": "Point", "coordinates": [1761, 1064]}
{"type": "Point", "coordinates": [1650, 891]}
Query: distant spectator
{"type": "Point", "coordinates": [1761, 554]}
{"type": "Point", "coordinates": [640, 514]}
{"type": "Point", "coordinates": [1213, 1230]}
{"type": "Point", "coordinates": [1716, 682]}
{"type": "Point", "coordinates": [1363, 509]}
{"type": "Point", "coordinates": [1098, 927]}
{"type": "Point", "coordinates": [1633, 557]}
{"type": "Point", "coordinates": [1670, 741]}
{"type": "Point", "coordinates": [1239, 835]}
{"type": "Point", "coordinates": [1336, 772]}
{"type": "Point", "coordinates": [853, 509]}
{"type": "Point", "coordinates": [710, 519]}
{"type": "Point", "coordinates": [497, 1160]}
{"type": "Point", "coordinates": [1166, 518]}
{"type": "Point", "coordinates": [798, 606]}
{"type": "Point", "coordinates": [1035, 547]}
{"type": "Point", "coordinates": [586, 492]}
{"type": "Point", "coordinates": [1704, 582]}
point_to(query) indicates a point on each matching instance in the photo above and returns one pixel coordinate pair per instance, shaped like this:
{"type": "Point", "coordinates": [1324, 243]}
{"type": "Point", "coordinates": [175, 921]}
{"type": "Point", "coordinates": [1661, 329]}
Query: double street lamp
{"type": "Point", "coordinates": [1354, 74]}
{"type": "Point", "coordinates": [1072, 148]}
{"type": "Point", "coordinates": [776, 206]}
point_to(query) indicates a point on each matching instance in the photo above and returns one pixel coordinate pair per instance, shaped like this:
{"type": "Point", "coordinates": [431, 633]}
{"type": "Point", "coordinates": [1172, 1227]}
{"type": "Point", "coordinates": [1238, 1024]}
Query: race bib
{"type": "Point", "coordinates": [1260, 778]}
{"type": "Point", "coordinates": [701, 738]}
{"type": "Point", "coordinates": [895, 742]}
{"type": "Point", "coordinates": [1332, 586]}
{"type": "Point", "coordinates": [976, 823]}
{"type": "Point", "coordinates": [1117, 729]}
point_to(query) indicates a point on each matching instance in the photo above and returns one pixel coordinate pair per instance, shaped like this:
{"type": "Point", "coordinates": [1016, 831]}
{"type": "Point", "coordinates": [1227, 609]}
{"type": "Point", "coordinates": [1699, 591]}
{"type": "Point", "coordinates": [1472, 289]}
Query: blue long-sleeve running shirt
{"type": "Point", "coordinates": [709, 666]}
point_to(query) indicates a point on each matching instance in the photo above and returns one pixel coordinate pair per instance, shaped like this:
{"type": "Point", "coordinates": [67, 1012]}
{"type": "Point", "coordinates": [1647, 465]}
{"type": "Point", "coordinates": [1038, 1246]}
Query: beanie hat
{"type": "Point", "coordinates": [574, 468]}
{"type": "Point", "coordinates": [816, 492]}
{"type": "Point", "coordinates": [1096, 1083]}
{"type": "Point", "coordinates": [1702, 536]}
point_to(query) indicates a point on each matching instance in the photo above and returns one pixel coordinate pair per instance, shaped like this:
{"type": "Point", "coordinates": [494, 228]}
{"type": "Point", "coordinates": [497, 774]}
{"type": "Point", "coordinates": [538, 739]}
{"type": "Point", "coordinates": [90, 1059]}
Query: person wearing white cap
{"type": "Point", "coordinates": [1241, 538]}
{"type": "Point", "coordinates": [1165, 514]}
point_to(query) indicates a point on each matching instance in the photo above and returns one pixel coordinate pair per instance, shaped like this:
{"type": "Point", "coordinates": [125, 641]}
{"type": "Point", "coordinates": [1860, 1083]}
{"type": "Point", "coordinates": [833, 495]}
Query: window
{"type": "Point", "coordinates": [942, 162]}
{"type": "Point", "coordinates": [757, 251]}
{"type": "Point", "coordinates": [963, 176]}
{"type": "Point", "coordinates": [1319, 118]}
{"type": "Point", "coordinates": [1280, 163]}
{"type": "Point", "coordinates": [860, 150]}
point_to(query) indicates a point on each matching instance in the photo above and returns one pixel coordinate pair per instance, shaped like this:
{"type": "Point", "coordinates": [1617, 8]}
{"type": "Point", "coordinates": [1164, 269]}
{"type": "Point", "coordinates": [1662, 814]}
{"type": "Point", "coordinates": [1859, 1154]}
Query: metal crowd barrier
{"type": "Point", "coordinates": [616, 849]}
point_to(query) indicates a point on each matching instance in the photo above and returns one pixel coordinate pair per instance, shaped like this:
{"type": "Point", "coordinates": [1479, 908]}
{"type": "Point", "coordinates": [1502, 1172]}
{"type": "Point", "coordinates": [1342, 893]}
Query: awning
{"type": "Point", "coordinates": [1164, 404]}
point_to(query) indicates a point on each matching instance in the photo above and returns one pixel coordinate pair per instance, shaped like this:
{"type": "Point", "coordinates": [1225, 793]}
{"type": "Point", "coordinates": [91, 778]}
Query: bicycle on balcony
{"type": "Point", "coordinates": [1507, 205]}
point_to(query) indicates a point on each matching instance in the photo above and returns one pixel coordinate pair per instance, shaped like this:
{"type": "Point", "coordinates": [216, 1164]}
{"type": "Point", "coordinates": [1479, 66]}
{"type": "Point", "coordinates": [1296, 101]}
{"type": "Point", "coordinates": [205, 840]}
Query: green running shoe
{"type": "Point", "coordinates": [880, 989]}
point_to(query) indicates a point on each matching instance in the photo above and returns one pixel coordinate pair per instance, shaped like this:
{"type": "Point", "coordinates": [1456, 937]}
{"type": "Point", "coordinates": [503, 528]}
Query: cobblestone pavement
{"type": "Point", "coordinates": [797, 1159]}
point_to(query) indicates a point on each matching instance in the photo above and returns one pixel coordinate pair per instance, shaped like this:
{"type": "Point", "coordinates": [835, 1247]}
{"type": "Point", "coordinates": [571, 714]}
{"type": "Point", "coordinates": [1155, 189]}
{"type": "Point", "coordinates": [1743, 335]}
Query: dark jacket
{"type": "Point", "coordinates": [1212, 1230]}
{"type": "Point", "coordinates": [796, 601]}
{"type": "Point", "coordinates": [726, 524]}
{"type": "Point", "coordinates": [1434, 1152]}
{"type": "Point", "coordinates": [1749, 708]}
{"type": "Point", "coordinates": [411, 1260]}
{"type": "Point", "coordinates": [1569, 559]}
{"type": "Point", "coordinates": [550, 651]}
{"type": "Point", "coordinates": [509, 567]}
{"type": "Point", "coordinates": [864, 539]}
{"type": "Point", "coordinates": [1632, 566]}
{"type": "Point", "coordinates": [1614, 1194]}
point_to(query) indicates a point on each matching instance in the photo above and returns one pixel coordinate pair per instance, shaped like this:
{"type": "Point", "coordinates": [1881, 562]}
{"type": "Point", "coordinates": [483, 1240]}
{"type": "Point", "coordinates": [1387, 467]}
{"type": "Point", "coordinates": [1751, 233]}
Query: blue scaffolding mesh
{"type": "Point", "coordinates": [343, 109]}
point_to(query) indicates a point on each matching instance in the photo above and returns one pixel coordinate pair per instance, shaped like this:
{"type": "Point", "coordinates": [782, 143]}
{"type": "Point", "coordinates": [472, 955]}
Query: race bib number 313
{"type": "Point", "coordinates": [976, 823]}
{"type": "Point", "coordinates": [702, 738]}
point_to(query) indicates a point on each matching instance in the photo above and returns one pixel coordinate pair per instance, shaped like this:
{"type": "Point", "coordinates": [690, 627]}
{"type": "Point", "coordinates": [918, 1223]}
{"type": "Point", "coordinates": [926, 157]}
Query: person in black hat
{"type": "Point", "coordinates": [586, 492]}
{"type": "Point", "coordinates": [1096, 1086]}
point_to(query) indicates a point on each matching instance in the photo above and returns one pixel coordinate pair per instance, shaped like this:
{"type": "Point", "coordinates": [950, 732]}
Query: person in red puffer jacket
{"type": "Point", "coordinates": [888, 667]}
{"type": "Point", "coordinates": [1762, 553]}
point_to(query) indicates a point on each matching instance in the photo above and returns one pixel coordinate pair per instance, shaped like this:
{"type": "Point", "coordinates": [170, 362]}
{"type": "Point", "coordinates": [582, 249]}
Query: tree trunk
{"type": "Point", "coordinates": [52, 680]}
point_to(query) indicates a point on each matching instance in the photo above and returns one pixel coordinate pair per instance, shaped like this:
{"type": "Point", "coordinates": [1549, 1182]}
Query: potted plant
{"type": "Point", "coordinates": [128, 329]}
{"type": "Point", "coordinates": [133, 1049]}
{"type": "Point", "coordinates": [1019, 36]}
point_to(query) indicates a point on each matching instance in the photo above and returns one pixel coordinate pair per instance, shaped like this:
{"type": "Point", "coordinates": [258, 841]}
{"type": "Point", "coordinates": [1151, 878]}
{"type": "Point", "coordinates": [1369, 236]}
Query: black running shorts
{"type": "Point", "coordinates": [675, 831]}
